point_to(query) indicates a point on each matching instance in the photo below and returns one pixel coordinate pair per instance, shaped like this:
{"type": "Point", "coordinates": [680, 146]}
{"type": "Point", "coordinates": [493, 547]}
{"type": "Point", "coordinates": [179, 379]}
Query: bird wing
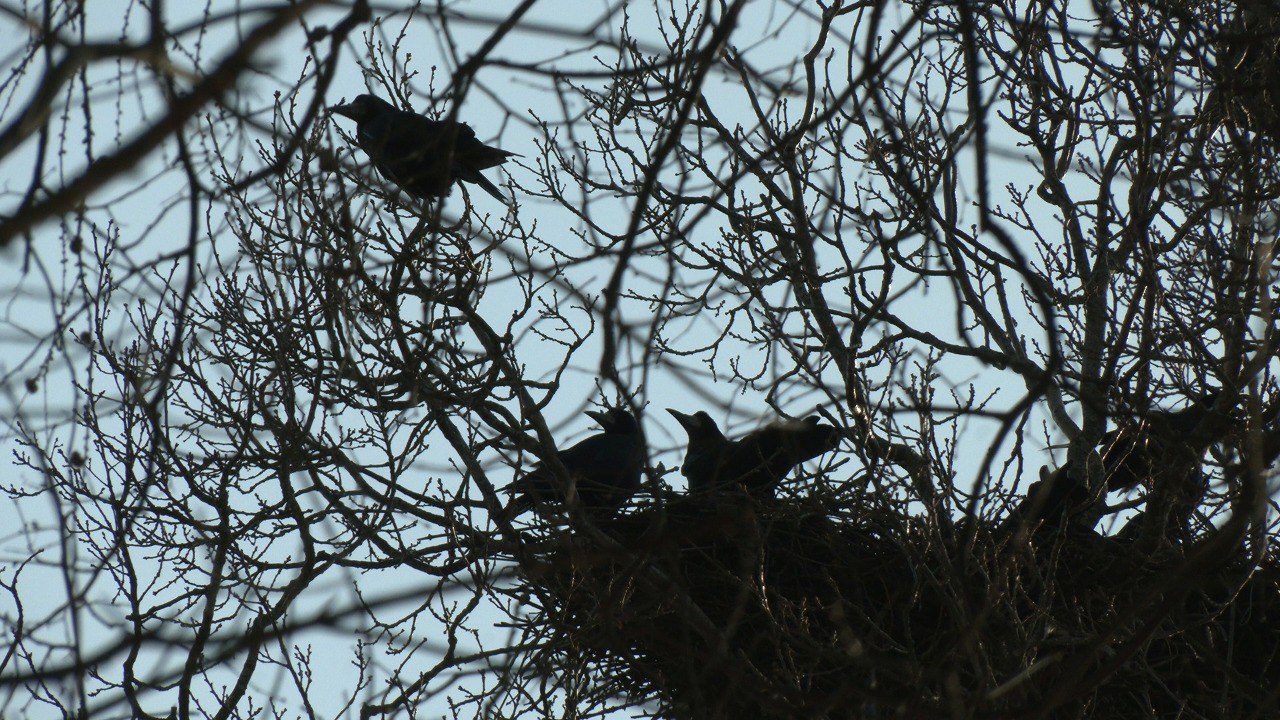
{"type": "Point", "coordinates": [474, 154]}
{"type": "Point", "coordinates": [420, 137]}
{"type": "Point", "coordinates": [404, 147]}
{"type": "Point", "coordinates": [605, 469]}
{"type": "Point", "coordinates": [394, 134]}
{"type": "Point", "coordinates": [608, 460]}
{"type": "Point", "coordinates": [422, 146]}
{"type": "Point", "coordinates": [761, 459]}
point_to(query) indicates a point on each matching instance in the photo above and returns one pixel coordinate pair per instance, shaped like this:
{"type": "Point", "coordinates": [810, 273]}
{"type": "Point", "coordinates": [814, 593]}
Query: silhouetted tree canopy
{"type": "Point", "coordinates": [965, 315]}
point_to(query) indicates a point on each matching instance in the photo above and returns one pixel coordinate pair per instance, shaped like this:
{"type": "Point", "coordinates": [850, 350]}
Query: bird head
{"type": "Point", "coordinates": [362, 108]}
{"type": "Point", "coordinates": [804, 439]}
{"type": "Point", "coordinates": [614, 420]}
{"type": "Point", "coordinates": [698, 425]}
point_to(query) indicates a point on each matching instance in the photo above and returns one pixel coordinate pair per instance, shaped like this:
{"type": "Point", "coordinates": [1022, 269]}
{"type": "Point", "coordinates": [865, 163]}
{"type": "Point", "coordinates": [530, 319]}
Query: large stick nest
{"type": "Point", "coordinates": [720, 606]}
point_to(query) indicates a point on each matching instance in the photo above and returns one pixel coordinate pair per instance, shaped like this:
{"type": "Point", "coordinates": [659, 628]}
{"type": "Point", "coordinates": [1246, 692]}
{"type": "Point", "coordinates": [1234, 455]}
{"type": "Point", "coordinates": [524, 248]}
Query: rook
{"type": "Point", "coordinates": [757, 461]}
{"type": "Point", "coordinates": [423, 157]}
{"type": "Point", "coordinates": [604, 469]}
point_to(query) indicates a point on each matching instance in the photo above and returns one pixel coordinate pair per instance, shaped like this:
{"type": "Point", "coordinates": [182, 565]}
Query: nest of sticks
{"type": "Point", "coordinates": [724, 606]}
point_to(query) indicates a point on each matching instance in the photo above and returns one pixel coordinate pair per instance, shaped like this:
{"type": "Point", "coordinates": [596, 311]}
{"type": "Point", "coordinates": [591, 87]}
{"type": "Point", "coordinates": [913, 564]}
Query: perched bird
{"type": "Point", "coordinates": [1161, 450]}
{"type": "Point", "coordinates": [423, 157]}
{"type": "Point", "coordinates": [757, 461]}
{"type": "Point", "coordinates": [604, 468]}
{"type": "Point", "coordinates": [707, 449]}
{"type": "Point", "coordinates": [1164, 452]}
{"type": "Point", "coordinates": [1160, 441]}
{"type": "Point", "coordinates": [1057, 500]}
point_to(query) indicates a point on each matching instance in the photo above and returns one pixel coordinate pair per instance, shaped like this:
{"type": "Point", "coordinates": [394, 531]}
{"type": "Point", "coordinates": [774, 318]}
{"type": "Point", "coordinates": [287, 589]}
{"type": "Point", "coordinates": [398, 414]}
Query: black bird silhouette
{"type": "Point", "coordinates": [1160, 440]}
{"type": "Point", "coordinates": [604, 469]}
{"type": "Point", "coordinates": [423, 157]}
{"type": "Point", "coordinates": [1162, 450]}
{"type": "Point", "coordinates": [1057, 500]}
{"type": "Point", "coordinates": [757, 461]}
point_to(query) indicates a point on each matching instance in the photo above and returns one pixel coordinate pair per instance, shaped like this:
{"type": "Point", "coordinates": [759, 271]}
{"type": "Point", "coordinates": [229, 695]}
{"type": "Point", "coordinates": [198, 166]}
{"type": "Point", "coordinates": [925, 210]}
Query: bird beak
{"type": "Point", "coordinates": [348, 110]}
{"type": "Point", "coordinates": [597, 416]}
{"type": "Point", "coordinates": [686, 421]}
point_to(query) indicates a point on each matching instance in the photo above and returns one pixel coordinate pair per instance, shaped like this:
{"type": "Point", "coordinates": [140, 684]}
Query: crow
{"type": "Point", "coordinates": [757, 461]}
{"type": "Point", "coordinates": [423, 157]}
{"type": "Point", "coordinates": [604, 469]}
{"type": "Point", "coordinates": [1159, 440]}
{"type": "Point", "coordinates": [1161, 450]}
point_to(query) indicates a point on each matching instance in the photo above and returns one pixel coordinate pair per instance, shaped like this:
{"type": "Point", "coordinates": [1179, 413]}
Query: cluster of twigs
{"type": "Point", "coordinates": [722, 606]}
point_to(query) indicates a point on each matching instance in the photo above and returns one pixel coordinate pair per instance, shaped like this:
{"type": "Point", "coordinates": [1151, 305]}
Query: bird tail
{"type": "Point", "coordinates": [488, 186]}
